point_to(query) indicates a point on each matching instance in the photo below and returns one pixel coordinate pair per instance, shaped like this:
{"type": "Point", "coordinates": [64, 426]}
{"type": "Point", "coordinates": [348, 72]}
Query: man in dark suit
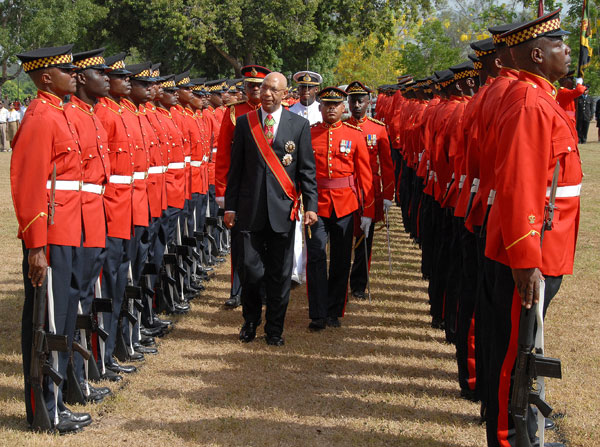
{"type": "Point", "coordinates": [271, 162]}
{"type": "Point", "coordinates": [585, 113]}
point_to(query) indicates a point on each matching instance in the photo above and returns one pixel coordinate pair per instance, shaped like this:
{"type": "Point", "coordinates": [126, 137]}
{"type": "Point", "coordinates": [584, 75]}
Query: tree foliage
{"type": "Point", "coordinates": [29, 24]}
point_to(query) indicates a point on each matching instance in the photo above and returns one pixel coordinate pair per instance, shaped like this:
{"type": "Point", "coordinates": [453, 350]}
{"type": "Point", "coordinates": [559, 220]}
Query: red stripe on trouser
{"type": "Point", "coordinates": [506, 371]}
{"type": "Point", "coordinates": [419, 218]}
{"type": "Point", "coordinates": [471, 367]}
{"type": "Point", "coordinates": [444, 305]}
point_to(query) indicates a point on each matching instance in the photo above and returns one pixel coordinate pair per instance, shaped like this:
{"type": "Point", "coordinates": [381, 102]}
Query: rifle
{"type": "Point", "coordinates": [387, 229]}
{"type": "Point", "coordinates": [43, 343]}
{"type": "Point", "coordinates": [100, 305]}
{"type": "Point", "coordinates": [474, 189]}
{"type": "Point", "coordinates": [533, 366]}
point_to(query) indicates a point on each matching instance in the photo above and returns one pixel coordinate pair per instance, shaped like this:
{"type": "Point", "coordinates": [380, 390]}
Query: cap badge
{"type": "Point", "coordinates": [306, 78]}
{"type": "Point", "coordinates": [287, 160]}
{"type": "Point", "coordinates": [290, 147]}
{"type": "Point", "coordinates": [254, 72]}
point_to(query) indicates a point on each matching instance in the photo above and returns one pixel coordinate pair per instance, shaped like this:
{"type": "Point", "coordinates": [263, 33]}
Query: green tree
{"type": "Point", "coordinates": [431, 50]}
{"type": "Point", "coordinates": [29, 24]}
{"type": "Point", "coordinates": [217, 38]}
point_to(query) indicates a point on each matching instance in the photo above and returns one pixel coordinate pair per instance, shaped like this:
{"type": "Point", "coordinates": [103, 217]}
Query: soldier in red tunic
{"type": "Point", "coordinates": [118, 196]}
{"type": "Point", "coordinates": [92, 83]}
{"type": "Point", "coordinates": [535, 136]}
{"type": "Point", "coordinates": [345, 185]}
{"type": "Point", "coordinates": [382, 169]}
{"type": "Point", "coordinates": [45, 143]}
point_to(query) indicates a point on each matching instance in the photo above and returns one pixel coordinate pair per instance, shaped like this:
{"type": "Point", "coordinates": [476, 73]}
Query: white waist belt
{"type": "Point", "coordinates": [140, 175]}
{"type": "Point", "coordinates": [475, 185]}
{"type": "Point", "coordinates": [64, 185]}
{"type": "Point", "coordinates": [196, 163]}
{"type": "Point", "coordinates": [491, 197]}
{"type": "Point", "coordinates": [177, 165]}
{"type": "Point", "coordinates": [93, 188]}
{"type": "Point", "coordinates": [214, 149]}
{"type": "Point", "coordinates": [461, 182]}
{"type": "Point", "coordinates": [188, 158]}
{"type": "Point", "coordinates": [156, 169]}
{"type": "Point", "coordinates": [566, 191]}
{"type": "Point", "coordinates": [120, 179]}
{"type": "Point", "coordinates": [205, 158]}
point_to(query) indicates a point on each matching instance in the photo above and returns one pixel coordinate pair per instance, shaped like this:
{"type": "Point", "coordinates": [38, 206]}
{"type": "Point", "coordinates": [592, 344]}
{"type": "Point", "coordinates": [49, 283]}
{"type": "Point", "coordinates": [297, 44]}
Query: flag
{"type": "Point", "coordinates": [585, 49]}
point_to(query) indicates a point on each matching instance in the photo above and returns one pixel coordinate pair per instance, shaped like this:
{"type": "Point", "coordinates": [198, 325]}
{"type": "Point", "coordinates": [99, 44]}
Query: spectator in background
{"type": "Point", "coordinates": [14, 119]}
{"type": "Point", "coordinates": [597, 113]}
{"type": "Point", "coordinates": [585, 113]}
{"type": "Point", "coordinates": [21, 108]}
{"type": "Point", "coordinates": [3, 125]}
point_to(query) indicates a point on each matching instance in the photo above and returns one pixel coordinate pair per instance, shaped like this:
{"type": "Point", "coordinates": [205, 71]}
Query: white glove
{"type": "Point", "coordinates": [579, 80]}
{"type": "Point", "coordinates": [220, 201]}
{"type": "Point", "coordinates": [365, 225]}
{"type": "Point", "coordinates": [387, 204]}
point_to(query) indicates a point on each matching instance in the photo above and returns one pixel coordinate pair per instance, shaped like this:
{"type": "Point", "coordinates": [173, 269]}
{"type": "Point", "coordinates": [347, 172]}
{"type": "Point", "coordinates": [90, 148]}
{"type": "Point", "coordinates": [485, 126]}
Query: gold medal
{"type": "Point", "coordinates": [287, 160]}
{"type": "Point", "coordinates": [269, 135]}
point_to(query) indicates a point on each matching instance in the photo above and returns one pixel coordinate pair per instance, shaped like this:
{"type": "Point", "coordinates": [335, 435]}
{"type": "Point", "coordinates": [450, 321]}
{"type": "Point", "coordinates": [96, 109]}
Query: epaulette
{"type": "Point", "coordinates": [376, 121]}
{"type": "Point", "coordinates": [316, 124]}
{"type": "Point", "coordinates": [353, 127]}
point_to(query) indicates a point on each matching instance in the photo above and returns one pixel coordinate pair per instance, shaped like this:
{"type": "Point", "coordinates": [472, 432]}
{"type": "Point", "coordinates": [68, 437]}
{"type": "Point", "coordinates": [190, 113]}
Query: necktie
{"type": "Point", "coordinates": [269, 123]}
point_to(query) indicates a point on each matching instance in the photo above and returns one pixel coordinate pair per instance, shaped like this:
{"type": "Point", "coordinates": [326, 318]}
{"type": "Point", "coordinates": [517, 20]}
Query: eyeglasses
{"type": "Point", "coordinates": [271, 90]}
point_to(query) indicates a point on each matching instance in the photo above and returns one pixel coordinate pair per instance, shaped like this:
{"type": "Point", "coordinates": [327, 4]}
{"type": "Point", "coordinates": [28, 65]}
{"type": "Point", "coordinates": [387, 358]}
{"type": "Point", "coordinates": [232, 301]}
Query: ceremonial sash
{"type": "Point", "coordinates": [273, 162]}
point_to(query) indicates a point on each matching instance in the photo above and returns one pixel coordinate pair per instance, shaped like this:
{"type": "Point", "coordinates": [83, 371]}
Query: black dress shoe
{"type": "Point", "coordinates": [317, 324]}
{"type": "Point", "coordinates": [275, 340]}
{"type": "Point", "coordinates": [111, 376]}
{"type": "Point", "coordinates": [147, 341]}
{"type": "Point", "coordinates": [81, 419]}
{"type": "Point", "coordinates": [116, 368]}
{"type": "Point", "coordinates": [94, 396]}
{"type": "Point", "coordinates": [152, 332]}
{"type": "Point", "coordinates": [136, 357]}
{"type": "Point", "coordinates": [333, 322]}
{"type": "Point", "coordinates": [469, 395]}
{"type": "Point", "coordinates": [102, 390]}
{"type": "Point", "coordinates": [358, 294]}
{"type": "Point", "coordinates": [248, 331]}
{"type": "Point", "coordinates": [143, 349]}
{"type": "Point", "coordinates": [233, 301]}
{"type": "Point", "coordinates": [66, 426]}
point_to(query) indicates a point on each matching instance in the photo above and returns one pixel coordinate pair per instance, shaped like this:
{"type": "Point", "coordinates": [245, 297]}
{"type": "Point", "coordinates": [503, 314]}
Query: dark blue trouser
{"type": "Point", "coordinates": [66, 278]}
{"type": "Point", "coordinates": [114, 280]}
{"type": "Point", "coordinates": [328, 291]}
{"type": "Point", "coordinates": [91, 262]}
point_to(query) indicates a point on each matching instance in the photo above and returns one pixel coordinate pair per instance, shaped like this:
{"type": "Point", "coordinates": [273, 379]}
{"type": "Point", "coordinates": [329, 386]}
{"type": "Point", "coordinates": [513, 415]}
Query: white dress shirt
{"type": "Point", "coordinates": [276, 116]}
{"type": "Point", "coordinates": [311, 112]}
{"type": "Point", "coordinates": [3, 115]}
{"type": "Point", "coordinates": [13, 115]}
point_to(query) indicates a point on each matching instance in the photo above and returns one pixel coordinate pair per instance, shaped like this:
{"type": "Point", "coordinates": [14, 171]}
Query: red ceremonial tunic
{"type": "Point", "coordinates": [223, 154]}
{"type": "Point", "coordinates": [93, 143]}
{"type": "Point", "coordinates": [532, 119]}
{"type": "Point", "coordinates": [179, 118]}
{"type": "Point", "coordinates": [175, 175]}
{"type": "Point", "coordinates": [201, 156]}
{"type": "Point", "coordinates": [141, 163]}
{"type": "Point", "coordinates": [46, 138]}
{"type": "Point", "coordinates": [566, 99]}
{"type": "Point", "coordinates": [340, 152]}
{"type": "Point", "coordinates": [121, 150]}
{"type": "Point", "coordinates": [487, 128]}
{"type": "Point", "coordinates": [155, 183]}
{"type": "Point", "coordinates": [471, 159]}
{"type": "Point", "coordinates": [454, 152]}
{"type": "Point", "coordinates": [380, 159]}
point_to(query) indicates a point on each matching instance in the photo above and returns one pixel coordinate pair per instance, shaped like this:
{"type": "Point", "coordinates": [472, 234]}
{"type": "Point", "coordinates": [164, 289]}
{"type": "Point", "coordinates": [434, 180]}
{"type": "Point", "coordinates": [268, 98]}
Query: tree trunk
{"type": "Point", "coordinates": [237, 66]}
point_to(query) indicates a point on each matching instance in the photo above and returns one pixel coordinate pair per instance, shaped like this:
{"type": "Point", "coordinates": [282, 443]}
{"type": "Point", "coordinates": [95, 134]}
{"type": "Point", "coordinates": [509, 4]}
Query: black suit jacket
{"type": "Point", "coordinates": [253, 192]}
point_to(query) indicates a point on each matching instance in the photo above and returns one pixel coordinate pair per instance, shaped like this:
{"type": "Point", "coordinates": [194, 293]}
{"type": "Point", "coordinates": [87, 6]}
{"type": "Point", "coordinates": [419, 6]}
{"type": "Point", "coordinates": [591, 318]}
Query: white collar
{"type": "Point", "coordinates": [276, 114]}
